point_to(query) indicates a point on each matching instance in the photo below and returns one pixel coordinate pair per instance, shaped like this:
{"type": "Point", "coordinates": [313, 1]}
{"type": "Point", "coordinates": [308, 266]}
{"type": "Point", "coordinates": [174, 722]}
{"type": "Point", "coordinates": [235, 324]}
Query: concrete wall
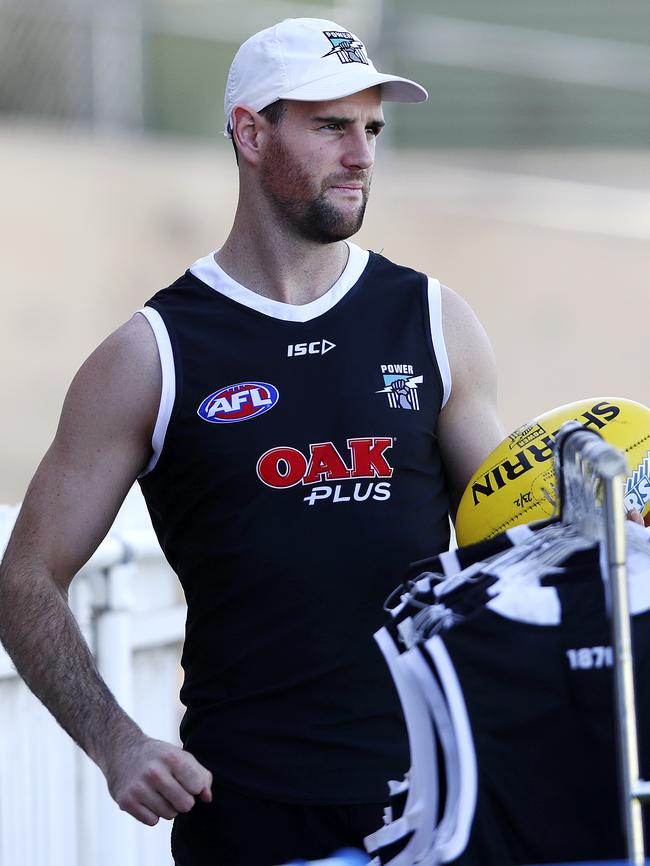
{"type": "Point", "coordinates": [551, 249]}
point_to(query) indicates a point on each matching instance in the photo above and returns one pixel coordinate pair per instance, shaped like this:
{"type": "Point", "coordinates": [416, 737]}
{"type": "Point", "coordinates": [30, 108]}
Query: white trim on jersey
{"type": "Point", "coordinates": [433, 712]}
{"type": "Point", "coordinates": [540, 605]}
{"type": "Point", "coordinates": [416, 820]}
{"type": "Point", "coordinates": [519, 534]}
{"type": "Point", "coordinates": [450, 563]}
{"type": "Point", "coordinates": [168, 390]}
{"type": "Point", "coordinates": [437, 336]}
{"type": "Point", "coordinates": [443, 725]}
{"type": "Point", "coordinates": [454, 845]}
{"type": "Point", "coordinates": [397, 790]}
{"type": "Point", "coordinates": [208, 271]}
{"type": "Point", "coordinates": [423, 789]}
{"type": "Point", "coordinates": [534, 605]}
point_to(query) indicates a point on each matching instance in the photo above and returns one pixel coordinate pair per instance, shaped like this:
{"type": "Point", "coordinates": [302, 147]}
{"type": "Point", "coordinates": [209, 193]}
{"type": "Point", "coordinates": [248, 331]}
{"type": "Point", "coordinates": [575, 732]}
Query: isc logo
{"type": "Point", "coordinates": [318, 347]}
{"type": "Point", "coordinates": [238, 402]}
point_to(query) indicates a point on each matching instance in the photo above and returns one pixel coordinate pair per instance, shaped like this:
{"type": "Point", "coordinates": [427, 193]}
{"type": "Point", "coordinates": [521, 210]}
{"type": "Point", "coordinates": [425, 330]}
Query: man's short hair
{"type": "Point", "coordinates": [275, 111]}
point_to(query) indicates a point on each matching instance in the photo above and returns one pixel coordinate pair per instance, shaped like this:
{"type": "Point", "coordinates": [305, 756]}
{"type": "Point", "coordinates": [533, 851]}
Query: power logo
{"type": "Point", "coordinates": [346, 47]}
{"type": "Point", "coordinates": [284, 467]}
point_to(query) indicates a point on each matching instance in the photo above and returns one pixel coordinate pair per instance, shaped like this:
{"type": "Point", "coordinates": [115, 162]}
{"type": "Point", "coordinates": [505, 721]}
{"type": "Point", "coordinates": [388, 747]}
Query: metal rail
{"type": "Point", "coordinates": [591, 475]}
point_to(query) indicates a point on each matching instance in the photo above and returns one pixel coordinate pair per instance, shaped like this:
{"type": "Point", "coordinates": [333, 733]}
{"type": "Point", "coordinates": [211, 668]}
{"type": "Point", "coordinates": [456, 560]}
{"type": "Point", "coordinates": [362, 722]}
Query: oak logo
{"type": "Point", "coordinates": [283, 467]}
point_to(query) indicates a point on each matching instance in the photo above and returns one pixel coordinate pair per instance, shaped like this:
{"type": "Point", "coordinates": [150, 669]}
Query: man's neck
{"type": "Point", "coordinates": [280, 266]}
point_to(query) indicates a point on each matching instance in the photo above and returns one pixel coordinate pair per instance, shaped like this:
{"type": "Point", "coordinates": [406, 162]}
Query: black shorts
{"type": "Point", "coordinates": [238, 830]}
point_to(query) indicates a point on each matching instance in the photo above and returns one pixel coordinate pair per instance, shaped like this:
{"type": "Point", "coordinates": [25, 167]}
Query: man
{"type": "Point", "coordinates": [301, 415]}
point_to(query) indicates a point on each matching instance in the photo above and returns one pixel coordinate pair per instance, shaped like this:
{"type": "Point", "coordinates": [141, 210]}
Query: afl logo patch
{"type": "Point", "coordinates": [238, 402]}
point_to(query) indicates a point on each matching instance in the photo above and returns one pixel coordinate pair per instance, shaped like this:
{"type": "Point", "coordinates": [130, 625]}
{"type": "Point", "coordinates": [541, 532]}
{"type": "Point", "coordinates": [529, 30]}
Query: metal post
{"type": "Point", "coordinates": [118, 65]}
{"type": "Point", "coordinates": [628, 748]}
{"type": "Point", "coordinates": [582, 459]}
{"type": "Point", "coordinates": [115, 664]}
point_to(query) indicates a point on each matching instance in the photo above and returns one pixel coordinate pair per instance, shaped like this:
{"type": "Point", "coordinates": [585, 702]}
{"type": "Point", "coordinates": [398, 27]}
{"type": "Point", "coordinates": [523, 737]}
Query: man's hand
{"type": "Point", "coordinates": [151, 779]}
{"type": "Point", "coordinates": [635, 516]}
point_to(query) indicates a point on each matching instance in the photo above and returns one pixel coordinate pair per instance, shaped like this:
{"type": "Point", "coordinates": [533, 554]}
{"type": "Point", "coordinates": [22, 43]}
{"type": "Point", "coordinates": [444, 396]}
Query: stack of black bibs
{"type": "Point", "coordinates": [501, 655]}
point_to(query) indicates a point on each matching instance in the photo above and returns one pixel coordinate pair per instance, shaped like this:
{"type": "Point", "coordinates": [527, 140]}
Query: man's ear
{"type": "Point", "coordinates": [248, 127]}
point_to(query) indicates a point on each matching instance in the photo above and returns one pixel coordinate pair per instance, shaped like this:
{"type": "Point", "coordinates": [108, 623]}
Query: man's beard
{"type": "Point", "coordinates": [316, 219]}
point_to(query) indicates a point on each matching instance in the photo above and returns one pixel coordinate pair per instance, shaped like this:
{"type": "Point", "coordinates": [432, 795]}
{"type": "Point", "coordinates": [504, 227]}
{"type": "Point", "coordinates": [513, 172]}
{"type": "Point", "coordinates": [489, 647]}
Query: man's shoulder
{"type": "Point", "coordinates": [130, 347]}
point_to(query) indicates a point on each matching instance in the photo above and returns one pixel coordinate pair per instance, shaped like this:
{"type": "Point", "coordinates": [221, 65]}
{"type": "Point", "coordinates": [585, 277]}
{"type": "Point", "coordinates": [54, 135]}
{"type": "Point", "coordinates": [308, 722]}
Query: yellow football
{"type": "Point", "coordinates": [517, 483]}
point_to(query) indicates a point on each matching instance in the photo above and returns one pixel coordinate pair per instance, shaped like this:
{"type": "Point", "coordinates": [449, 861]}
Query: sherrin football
{"type": "Point", "coordinates": [517, 484]}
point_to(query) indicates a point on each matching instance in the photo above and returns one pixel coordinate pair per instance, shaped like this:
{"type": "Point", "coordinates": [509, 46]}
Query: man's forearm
{"type": "Point", "coordinates": [147, 778]}
{"type": "Point", "coordinates": [45, 643]}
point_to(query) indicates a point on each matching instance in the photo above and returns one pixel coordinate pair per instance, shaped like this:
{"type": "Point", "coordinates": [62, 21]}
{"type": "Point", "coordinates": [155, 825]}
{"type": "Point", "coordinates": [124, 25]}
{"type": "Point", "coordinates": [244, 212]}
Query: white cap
{"type": "Point", "coordinates": [311, 60]}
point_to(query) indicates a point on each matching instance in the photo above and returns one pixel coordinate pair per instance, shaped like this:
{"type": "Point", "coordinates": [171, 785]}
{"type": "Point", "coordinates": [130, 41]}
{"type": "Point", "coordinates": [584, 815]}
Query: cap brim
{"type": "Point", "coordinates": [393, 88]}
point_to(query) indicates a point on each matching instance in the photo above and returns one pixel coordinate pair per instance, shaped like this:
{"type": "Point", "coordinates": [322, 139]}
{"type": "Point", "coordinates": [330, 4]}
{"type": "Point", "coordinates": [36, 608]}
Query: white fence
{"type": "Point", "coordinates": [55, 809]}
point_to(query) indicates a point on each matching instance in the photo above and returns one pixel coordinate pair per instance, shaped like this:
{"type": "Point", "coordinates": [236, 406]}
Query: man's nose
{"type": "Point", "coordinates": [360, 150]}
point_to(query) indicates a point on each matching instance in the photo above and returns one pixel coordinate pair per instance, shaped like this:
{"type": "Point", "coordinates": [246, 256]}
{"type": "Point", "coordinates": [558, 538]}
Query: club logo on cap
{"type": "Point", "coordinates": [347, 48]}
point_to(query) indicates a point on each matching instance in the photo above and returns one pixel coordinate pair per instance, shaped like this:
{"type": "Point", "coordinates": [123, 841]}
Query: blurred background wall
{"type": "Point", "coordinates": [524, 182]}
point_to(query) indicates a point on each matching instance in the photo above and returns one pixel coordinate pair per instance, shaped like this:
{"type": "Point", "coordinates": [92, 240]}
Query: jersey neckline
{"type": "Point", "coordinates": [209, 272]}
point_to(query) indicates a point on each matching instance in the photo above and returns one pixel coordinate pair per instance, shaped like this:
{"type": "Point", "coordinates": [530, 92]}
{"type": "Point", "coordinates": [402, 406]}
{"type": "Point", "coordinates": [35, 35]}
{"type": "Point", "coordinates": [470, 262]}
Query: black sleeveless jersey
{"type": "Point", "coordinates": [525, 679]}
{"type": "Point", "coordinates": [300, 474]}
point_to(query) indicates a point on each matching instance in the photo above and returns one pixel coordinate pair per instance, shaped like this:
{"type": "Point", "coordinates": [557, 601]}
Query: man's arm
{"type": "Point", "coordinates": [469, 425]}
{"type": "Point", "coordinates": [102, 443]}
